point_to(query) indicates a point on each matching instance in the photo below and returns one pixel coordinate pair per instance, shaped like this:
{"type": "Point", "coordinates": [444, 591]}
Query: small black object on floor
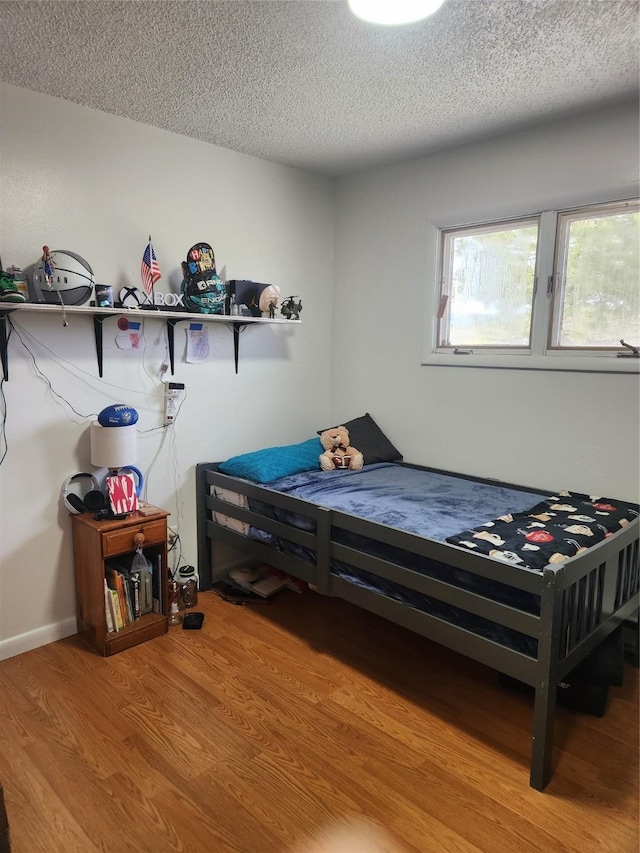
{"type": "Point", "coordinates": [192, 621]}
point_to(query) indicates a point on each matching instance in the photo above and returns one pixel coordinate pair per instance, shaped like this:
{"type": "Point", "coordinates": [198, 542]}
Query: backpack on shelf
{"type": "Point", "coordinates": [203, 290]}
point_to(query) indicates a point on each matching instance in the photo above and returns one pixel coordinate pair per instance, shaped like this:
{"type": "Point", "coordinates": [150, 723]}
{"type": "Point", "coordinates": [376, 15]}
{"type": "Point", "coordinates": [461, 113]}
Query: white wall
{"type": "Point", "coordinates": [551, 430]}
{"type": "Point", "coordinates": [74, 178]}
{"type": "Point", "coordinates": [98, 185]}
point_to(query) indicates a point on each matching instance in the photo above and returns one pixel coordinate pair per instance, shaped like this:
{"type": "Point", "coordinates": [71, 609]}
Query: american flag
{"type": "Point", "coordinates": [149, 270]}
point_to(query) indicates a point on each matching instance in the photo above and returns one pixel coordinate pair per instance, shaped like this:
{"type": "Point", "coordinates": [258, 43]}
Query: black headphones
{"type": "Point", "coordinates": [92, 501]}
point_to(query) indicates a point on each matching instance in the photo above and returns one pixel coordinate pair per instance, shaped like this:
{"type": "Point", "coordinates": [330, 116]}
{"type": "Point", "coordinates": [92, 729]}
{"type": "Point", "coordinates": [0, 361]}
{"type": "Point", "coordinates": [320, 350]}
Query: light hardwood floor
{"type": "Point", "coordinates": [275, 720]}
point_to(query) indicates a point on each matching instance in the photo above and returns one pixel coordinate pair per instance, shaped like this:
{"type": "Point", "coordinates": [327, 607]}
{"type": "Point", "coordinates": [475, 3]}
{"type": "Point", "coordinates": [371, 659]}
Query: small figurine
{"type": "Point", "coordinates": [254, 308]}
{"type": "Point", "coordinates": [290, 310]}
{"type": "Point", "coordinates": [272, 309]}
{"type": "Point", "coordinates": [48, 265]}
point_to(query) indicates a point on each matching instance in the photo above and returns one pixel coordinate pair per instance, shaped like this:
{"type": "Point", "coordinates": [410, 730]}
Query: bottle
{"type": "Point", "coordinates": [175, 617]}
{"type": "Point", "coordinates": [188, 587]}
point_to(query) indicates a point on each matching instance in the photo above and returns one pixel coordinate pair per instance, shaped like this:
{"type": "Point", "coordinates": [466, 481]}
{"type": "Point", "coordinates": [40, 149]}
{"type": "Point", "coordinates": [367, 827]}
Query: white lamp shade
{"type": "Point", "coordinates": [113, 447]}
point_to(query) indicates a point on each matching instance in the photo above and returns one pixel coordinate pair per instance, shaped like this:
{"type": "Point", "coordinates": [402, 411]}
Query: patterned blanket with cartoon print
{"type": "Point", "coordinates": [552, 531]}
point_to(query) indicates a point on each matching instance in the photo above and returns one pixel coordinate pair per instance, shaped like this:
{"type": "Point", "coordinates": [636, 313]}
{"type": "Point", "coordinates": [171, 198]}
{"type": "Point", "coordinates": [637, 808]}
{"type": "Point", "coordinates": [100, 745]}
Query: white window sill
{"type": "Point", "coordinates": [555, 361]}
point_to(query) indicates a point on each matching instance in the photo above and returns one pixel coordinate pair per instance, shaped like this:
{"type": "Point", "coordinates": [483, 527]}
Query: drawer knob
{"type": "Point", "coordinates": [139, 538]}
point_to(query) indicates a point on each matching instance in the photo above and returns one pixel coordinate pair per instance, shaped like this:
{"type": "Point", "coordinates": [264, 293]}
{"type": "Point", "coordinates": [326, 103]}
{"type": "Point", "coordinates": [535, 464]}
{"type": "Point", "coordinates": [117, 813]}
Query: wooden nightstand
{"type": "Point", "coordinates": [94, 543]}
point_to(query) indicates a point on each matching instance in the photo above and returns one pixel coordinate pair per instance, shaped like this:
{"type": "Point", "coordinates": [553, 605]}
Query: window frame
{"type": "Point", "coordinates": [559, 270]}
{"type": "Point", "coordinates": [541, 354]}
{"type": "Point", "coordinates": [446, 261]}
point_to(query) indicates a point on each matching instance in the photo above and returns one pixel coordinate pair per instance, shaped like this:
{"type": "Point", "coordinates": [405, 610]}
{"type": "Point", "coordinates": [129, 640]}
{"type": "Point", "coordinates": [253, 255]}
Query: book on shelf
{"type": "Point", "coordinates": [139, 576]}
{"type": "Point", "coordinates": [135, 590]}
{"type": "Point", "coordinates": [127, 597]}
{"type": "Point", "coordinates": [115, 610]}
{"type": "Point", "coordinates": [136, 584]}
{"type": "Point", "coordinates": [134, 580]}
{"type": "Point", "coordinates": [129, 589]}
{"type": "Point", "coordinates": [146, 598]}
{"type": "Point", "coordinates": [113, 602]}
{"type": "Point", "coordinates": [157, 585]}
{"type": "Point", "coordinates": [115, 581]}
{"type": "Point", "coordinates": [111, 627]}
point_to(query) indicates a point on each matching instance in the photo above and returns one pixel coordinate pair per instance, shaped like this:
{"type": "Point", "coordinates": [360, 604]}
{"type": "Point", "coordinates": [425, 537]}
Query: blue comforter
{"type": "Point", "coordinates": [422, 502]}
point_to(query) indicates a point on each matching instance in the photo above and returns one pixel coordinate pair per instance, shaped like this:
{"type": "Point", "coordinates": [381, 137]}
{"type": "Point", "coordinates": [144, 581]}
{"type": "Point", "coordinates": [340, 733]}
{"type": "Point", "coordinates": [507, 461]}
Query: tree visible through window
{"type": "Point", "coordinates": [597, 298]}
{"type": "Point", "coordinates": [491, 289]}
{"type": "Point", "coordinates": [554, 282]}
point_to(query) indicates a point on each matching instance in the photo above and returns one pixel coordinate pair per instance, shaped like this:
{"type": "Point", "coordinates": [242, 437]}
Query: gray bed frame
{"type": "Point", "coordinates": [581, 601]}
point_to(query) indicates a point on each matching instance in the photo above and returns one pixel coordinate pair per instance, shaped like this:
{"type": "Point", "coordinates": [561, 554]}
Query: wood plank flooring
{"type": "Point", "coordinates": [275, 721]}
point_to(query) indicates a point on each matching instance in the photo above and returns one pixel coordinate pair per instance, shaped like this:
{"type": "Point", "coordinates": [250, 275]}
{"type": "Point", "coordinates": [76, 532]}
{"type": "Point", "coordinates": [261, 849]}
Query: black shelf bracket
{"type": "Point", "coordinates": [97, 331]}
{"type": "Point", "coordinates": [4, 322]}
{"type": "Point", "coordinates": [237, 328]}
{"type": "Point", "coordinates": [171, 325]}
{"type": "Point", "coordinates": [4, 340]}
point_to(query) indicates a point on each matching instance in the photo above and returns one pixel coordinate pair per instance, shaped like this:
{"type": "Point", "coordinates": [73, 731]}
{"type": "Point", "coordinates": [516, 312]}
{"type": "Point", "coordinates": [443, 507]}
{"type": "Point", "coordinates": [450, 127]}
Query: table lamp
{"type": "Point", "coordinates": [115, 448]}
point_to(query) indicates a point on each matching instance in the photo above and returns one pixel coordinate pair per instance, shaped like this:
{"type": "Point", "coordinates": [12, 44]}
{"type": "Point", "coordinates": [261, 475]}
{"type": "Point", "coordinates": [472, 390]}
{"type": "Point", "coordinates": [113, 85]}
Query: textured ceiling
{"type": "Point", "coordinates": [303, 82]}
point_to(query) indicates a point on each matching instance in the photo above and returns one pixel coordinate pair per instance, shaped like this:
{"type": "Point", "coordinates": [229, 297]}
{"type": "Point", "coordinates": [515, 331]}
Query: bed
{"type": "Point", "coordinates": [428, 557]}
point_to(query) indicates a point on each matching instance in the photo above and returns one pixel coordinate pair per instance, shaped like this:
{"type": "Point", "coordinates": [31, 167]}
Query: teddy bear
{"type": "Point", "coordinates": [338, 453]}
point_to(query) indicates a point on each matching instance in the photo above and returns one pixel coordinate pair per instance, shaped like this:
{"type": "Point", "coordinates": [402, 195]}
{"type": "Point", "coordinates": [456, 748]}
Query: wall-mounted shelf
{"type": "Point", "coordinates": [237, 324]}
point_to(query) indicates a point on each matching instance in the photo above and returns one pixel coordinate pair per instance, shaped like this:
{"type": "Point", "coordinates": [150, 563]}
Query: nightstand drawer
{"type": "Point", "coordinates": [121, 541]}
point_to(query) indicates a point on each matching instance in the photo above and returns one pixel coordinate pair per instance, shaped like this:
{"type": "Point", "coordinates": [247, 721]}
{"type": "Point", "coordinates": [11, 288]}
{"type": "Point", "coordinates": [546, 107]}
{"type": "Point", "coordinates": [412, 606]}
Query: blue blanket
{"type": "Point", "coordinates": [422, 502]}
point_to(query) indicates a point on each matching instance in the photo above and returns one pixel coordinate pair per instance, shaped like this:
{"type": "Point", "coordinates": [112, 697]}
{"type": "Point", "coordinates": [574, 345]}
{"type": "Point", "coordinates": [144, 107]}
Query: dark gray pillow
{"type": "Point", "coordinates": [367, 437]}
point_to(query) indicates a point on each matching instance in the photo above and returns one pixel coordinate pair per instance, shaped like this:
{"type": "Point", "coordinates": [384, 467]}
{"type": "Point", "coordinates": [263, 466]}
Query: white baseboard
{"type": "Point", "coordinates": [38, 637]}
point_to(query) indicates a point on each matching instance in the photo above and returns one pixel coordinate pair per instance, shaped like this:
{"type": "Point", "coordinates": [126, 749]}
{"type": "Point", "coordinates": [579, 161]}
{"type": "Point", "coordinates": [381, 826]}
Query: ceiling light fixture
{"type": "Point", "coordinates": [394, 12]}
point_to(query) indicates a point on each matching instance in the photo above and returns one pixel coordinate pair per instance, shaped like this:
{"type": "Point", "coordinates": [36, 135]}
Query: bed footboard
{"type": "Point", "coordinates": [582, 603]}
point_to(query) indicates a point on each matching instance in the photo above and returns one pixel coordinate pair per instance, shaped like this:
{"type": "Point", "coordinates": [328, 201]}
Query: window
{"type": "Point", "coordinates": [490, 276]}
{"type": "Point", "coordinates": [560, 283]}
{"type": "Point", "coordinates": [597, 289]}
